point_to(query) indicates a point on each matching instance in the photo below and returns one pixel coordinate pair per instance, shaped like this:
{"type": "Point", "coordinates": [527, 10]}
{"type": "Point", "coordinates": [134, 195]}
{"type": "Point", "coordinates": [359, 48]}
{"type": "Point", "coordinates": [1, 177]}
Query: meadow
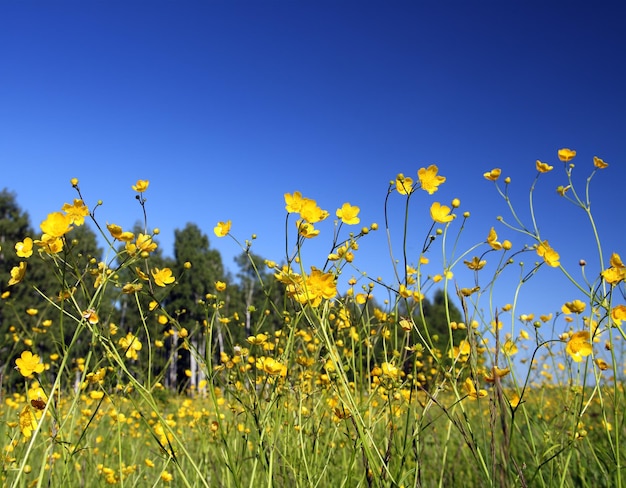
{"type": "Point", "coordinates": [371, 386]}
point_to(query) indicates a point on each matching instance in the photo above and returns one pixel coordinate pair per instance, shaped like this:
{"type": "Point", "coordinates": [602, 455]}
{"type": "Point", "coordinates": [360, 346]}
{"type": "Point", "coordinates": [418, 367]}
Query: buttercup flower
{"type": "Point", "coordinates": [429, 180]}
{"type": "Point", "coordinates": [306, 230]}
{"type": "Point", "coordinates": [404, 184]}
{"type": "Point", "coordinates": [24, 249]}
{"type": "Point", "coordinates": [617, 271]}
{"type": "Point", "coordinates": [475, 264]}
{"type": "Point", "coordinates": [566, 154]}
{"type": "Point", "coordinates": [117, 233]}
{"type": "Point", "coordinates": [543, 167]}
{"type": "Point", "coordinates": [598, 163]}
{"type": "Point", "coordinates": [492, 240]}
{"type": "Point", "coordinates": [311, 212]}
{"type": "Point", "coordinates": [271, 366]}
{"type": "Point", "coordinates": [293, 202]}
{"type": "Point", "coordinates": [141, 186]}
{"type": "Point", "coordinates": [471, 391]}
{"type": "Point", "coordinates": [17, 273]}
{"type": "Point", "coordinates": [493, 175]}
{"type": "Point", "coordinates": [348, 214]}
{"type": "Point", "coordinates": [29, 363]}
{"type": "Point", "coordinates": [131, 345]}
{"type": "Point", "coordinates": [549, 255]}
{"type": "Point", "coordinates": [578, 345]}
{"type": "Point", "coordinates": [28, 422]}
{"type": "Point", "coordinates": [76, 212]}
{"type": "Point", "coordinates": [577, 306]}
{"type": "Point", "coordinates": [145, 243]}
{"type": "Point", "coordinates": [618, 314]}
{"type": "Point", "coordinates": [56, 225]}
{"type": "Point", "coordinates": [440, 213]}
{"type": "Point", "coordinates": [220, 285]}
{"type": "Point", "coordinates": [222, 228]}
{"type": "Point", "coordinates": [162, 277]}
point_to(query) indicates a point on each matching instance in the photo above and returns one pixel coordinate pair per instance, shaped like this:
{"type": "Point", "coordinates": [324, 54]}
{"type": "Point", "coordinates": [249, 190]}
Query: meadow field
{"type": "Point", "coordinates": [304, 384]}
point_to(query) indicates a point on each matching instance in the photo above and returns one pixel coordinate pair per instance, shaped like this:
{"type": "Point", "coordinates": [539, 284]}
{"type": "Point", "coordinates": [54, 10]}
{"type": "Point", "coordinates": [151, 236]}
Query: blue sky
{"type": "Point", "coordinates": [225, 106]}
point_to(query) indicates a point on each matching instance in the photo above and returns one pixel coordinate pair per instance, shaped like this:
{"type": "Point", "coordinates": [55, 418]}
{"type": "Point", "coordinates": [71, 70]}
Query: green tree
{"type": "Point", "coordinates": [187, 298]}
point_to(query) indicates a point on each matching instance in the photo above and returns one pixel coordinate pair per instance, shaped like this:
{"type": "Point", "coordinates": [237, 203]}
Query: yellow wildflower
{"type": "Point", "coordinates": [493, 175]}
{"type": "Point", "coordinates": [543, 167]}
{"type": "Point", "coordinates": [163, 277]}
{"type": "Point", "coordinates": [76, 211]}
{"type": "Point", "coordinates": [56, 224]}
{"type": "Point", "coordinates": [29, 363]}
{"type": "Point", "coordinates": [141, 186]}
{"type": "Point", "coordinates": [566, 154]}
{"type": "Point", "coordinates": [222, 228]}
{"type": "Point", "coordinates": [404, 184]}
{"type": "Point", "coordinates": [598, 163]}
{"type": "Point", "coordinates": [429, 180]}
{"type": "Point", "coordinates": [440, 213]}
{"type": "Point", "coordinates": [578, 345]}
{"type": "Point", "coordinates": [17, 273]}
{"type": "Point", "coordinates": [24, 249]}
{"type": "Point", "coordinates": [348, 214]}
{"type": "Point", "coordinates": [549, 255]}
{"type": "Point", "coordinates": [492, 240]}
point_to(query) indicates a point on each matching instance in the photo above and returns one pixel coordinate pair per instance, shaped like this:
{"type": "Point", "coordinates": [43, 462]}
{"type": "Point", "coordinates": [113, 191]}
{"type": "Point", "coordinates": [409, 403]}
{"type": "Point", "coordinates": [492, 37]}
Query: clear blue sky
{"type": "Point", "coordinates": [226, 105]}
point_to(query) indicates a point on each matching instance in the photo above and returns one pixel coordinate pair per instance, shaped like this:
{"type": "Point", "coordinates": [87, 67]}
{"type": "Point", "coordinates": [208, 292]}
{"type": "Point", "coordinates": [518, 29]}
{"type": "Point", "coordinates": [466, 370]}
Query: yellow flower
{"type": "Point", "coordinates": [429, 180]}
{"type": "Point", "coordinates": [28, 422]}
{"type": "Point", "coordinates": [493, 175]}
{"type": "Point", "coordinates": [602, 364]}
{"type": "Point", "coordinates": [91, 316]}
{"type": "Point", "coordinates": [390, 370]}
{"type": "Point", "coordinates": [310, 289]}
{"type": "Point", "coordinates": [145, 243]}
{"type": "Point", "coordinates": [56, 225]}
{"type": "Point", "coordinates": [162, 277]}
{"type": "Point", "coordinates": [549, 255]}
{"type": "Point", "coordinates": [577, 306]}
{"type": "Point", "coordinates": [475, 264]}
{"type": "Point", "coordinates": [617, 271]}
{"type": "Point", "coordinates": [131, 345]}
{"type": "Point", "coordinates": [578, 345]}
{"type": "Point", "coordinates": [271, 366]}
{"type": "Point", "coordinates": [543, 167]}
{"type": "Point", "coordinates": [404, 184]}
{"type": "Point", "coordinates": [117, 233]}
{"type": "Point", "coordinates": [618, 314]}
{"type": "Point", "coordinates": [471, 391]}
{"type": "Point", "coordinates": [222, 228]}
{"type": "Point", "coordinates": [24, 249]}
{"type": "Point", "coordinates": [306, 230]}
{"type": "Point", "coordinates": [492, 240]}
{"type": "Point", "coordinates": [293, 202]}
{"type": "Point", "coordinates": [348, 214]}
{"type": "Point", "coordinates": [311, 212]}
{"type": "Point", "coordinates": [17, 273]}
{"type": "Point", "coordinates": [166, 477]}
{"type": "Point", "coordinates": [496, 373]}
{"type": "Point", "coordinates": [29, 363]}
{"type": "Point", "coordinates": [51, 244]}
{"type": "Point", "coordinates": [598, 163]}
{"type": "Point", "coordinates": [440, 213]}
{"type": "Point", "coordinates": [141, 186]}
{"type": "Point", "coordinates": [220, 285]}
{"type": "Point", "coordinates": [509, 348]}
{"type": "Point", "coordinates": [76, 212]}
{"type": "Point", "coordinates": [566, 155]}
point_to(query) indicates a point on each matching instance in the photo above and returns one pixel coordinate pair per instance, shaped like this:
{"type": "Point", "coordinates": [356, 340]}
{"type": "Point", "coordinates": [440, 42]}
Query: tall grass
{"type": "Point", "coordinates": [354, 389]}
